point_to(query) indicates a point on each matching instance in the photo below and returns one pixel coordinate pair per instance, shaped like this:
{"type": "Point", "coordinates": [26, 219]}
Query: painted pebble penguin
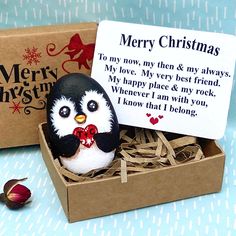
{"type": "Point", "coordinates": [82, 124]}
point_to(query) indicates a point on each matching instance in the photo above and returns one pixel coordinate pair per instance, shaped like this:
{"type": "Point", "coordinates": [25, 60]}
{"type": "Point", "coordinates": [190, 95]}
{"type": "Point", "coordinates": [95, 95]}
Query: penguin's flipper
{"type": "Point", "coordinates": [67, 145]}
{"type": "Point", "coordinates": [107, 141]}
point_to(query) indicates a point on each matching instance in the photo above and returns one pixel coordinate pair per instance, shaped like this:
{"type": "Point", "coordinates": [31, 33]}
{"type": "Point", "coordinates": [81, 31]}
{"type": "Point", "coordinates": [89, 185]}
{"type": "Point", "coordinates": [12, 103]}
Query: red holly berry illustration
{"type": "Point", "coordinates": [78, 52]}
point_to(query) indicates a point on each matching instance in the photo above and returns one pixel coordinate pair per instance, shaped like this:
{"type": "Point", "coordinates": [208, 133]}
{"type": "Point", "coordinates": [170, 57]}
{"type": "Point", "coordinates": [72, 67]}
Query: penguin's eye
{"type": "Point", "coordinates": [64, 111]}
{"type": "Point", "coordinates": [92, 105]}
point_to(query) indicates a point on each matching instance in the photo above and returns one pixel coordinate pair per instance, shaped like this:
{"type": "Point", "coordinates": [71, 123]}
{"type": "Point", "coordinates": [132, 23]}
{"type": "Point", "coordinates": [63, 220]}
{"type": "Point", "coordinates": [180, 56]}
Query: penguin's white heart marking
{"type": "Point", "coordinates": [86, 134]}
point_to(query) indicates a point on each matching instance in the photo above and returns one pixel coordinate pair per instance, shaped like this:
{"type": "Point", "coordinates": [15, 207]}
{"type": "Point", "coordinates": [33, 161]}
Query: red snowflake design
{"type": "Point", "coordinates": [32, 56]}
{"type": "Point", "coordinates": [16, 107]}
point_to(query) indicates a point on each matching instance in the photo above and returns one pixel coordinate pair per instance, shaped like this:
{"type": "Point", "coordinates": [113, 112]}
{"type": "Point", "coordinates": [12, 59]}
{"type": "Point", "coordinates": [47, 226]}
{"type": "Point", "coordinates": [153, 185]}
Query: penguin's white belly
{"type": "Point", "coordinates": [87, 159]}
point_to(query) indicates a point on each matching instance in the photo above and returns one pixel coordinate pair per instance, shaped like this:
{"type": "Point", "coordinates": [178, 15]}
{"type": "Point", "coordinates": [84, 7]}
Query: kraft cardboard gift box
{"type": "Point", "coordinates": [88, 199]}
{"type": "Point", "coordinates": [32, 59]}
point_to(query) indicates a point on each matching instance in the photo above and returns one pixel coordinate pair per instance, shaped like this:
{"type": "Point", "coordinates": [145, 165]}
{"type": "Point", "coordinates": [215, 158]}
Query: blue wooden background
{"type": "Point", "coordinates": [213, 214]}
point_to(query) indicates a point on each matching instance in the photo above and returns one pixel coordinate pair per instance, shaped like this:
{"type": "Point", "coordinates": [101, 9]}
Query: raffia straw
{"type": "Point", "coordinates": [122, 133]}
{"type": "Point", "coordinates": [183, 141]}
{"type": "Point", "coordinates": [129, 158]}
{"type": "Point", "coordinates": [146, 145]}
{"type": "Point", "coordinates": [171, 153]}
{"type": "Point", "coordinates": [123, 171]}
{"type": "Point", "coordinates": [146, 151]}
{"type": "Point", "coordinates": [127, 138]}
{"type": "Point", "coordinates": [159, 147]}
{"type": "Point", "coordinates": [199, 155]}
{"type": "Point", "coordinates": [149, 136]}
{"type": "Point", "coordinates": [115, 165]}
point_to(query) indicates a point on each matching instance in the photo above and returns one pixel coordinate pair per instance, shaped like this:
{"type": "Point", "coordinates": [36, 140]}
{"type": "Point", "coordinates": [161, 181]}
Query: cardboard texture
{"type": "Point", "coordinates": [106, 196]}
{"type": "Point", "coordinates": [32, 59]}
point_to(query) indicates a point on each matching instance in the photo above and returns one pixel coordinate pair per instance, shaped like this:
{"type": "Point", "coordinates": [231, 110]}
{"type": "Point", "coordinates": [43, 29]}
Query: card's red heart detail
{"type": "Point", "coordinates": [154, 120]}
{"type": "Point", "coordinates": [86, 134]}
{"type": "Point", "coordinates": [148, 114]}
{"type": "Point", "coordinates": [160, 116]}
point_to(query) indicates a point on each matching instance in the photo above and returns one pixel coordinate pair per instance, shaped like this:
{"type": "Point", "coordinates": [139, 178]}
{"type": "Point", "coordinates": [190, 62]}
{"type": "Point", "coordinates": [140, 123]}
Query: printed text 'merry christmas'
{"type": "Point", "coordinates": [168, 41]}
{"type": "Point", "coordinates": [130, 41]}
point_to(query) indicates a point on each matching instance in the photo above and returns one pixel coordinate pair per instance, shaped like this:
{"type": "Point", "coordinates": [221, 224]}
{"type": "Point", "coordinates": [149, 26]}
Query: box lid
{"type": "Point", "coordinates": [33, 59]}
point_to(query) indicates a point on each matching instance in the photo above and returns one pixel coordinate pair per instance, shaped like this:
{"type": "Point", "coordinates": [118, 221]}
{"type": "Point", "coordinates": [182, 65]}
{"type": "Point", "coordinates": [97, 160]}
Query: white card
{"type": "Point", "coordinates": [166, 79]}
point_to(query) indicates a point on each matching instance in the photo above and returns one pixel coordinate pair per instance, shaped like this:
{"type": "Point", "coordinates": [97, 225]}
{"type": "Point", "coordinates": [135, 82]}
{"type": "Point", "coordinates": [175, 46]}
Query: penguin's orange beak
{"type": "Point", "coordinates": [80, 119]}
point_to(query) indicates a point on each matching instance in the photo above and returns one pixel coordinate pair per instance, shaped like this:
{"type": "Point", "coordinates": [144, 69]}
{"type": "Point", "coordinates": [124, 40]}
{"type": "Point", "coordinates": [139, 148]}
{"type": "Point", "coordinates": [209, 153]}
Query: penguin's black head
{"type": "Point", "coordinates": [77, 100]}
